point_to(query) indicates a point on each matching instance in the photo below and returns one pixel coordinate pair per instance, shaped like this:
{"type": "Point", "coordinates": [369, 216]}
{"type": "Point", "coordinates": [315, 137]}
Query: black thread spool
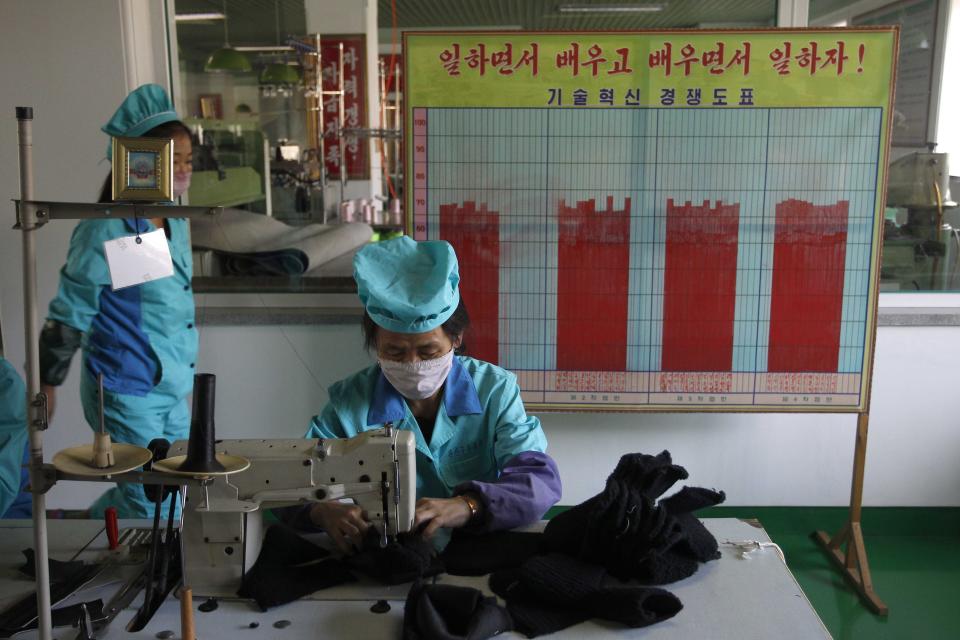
{"type": "Point", "coordinates": [201, 456]}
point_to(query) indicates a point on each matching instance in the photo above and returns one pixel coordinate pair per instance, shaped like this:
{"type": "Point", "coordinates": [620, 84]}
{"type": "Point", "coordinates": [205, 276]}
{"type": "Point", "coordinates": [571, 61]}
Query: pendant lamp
{"type": "Point", "coordinates": [227, 59]}
{"type": "Point", "coordinates": [279, 72]}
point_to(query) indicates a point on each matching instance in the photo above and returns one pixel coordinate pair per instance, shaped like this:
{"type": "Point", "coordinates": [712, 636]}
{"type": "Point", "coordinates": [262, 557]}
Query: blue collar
{"type": "Point", "coordinates": [459, 397]}
{"type": "Point", "coordinates": [139, 225]}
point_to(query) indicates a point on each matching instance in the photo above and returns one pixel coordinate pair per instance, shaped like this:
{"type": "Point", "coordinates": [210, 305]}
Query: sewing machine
{"type": "Point", "coordinates": [222, 526]}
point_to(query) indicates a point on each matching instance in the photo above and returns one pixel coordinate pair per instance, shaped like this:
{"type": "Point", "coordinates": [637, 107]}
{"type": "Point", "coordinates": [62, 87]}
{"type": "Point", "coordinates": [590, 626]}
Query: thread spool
{"type": "Point", "coordinates": [186, 614]}
{"type": "Point", "coordinates": [201, 455]}
{"type": "Point", "coordinates": [347, 211]}
{"type": "Point", "coordinates": [102, 451]}
{"type": "Point", "coordinates": [396, 215]}
{"type": "Point", "coordinates": [367, 212]}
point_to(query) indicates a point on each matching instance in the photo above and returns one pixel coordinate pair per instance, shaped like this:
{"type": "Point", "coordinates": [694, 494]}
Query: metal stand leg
{"type": "Point", "coordinates": [36, 403]}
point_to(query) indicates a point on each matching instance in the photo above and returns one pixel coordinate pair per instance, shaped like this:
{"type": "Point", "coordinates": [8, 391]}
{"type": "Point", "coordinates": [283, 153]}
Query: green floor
{"type": "Point", "coordinates": [914, 556]}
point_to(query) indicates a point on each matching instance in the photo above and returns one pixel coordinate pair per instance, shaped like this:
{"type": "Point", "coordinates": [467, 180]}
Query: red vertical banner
{"type": "Point", "coordinates": [474, 233]}
{"type": "Point", "coordinates": [700, 286]}
{"type": "Point", "coordinates": [593, 278]}
{"type": "Point", "coordinates": [809, 256]}
{"type": "Point", "coordinates": [354, 104]}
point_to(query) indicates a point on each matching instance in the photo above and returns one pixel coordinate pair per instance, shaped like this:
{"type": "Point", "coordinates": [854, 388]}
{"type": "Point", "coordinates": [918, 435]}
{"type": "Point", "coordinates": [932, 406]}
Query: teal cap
{"type": "Point", "coordinates": [146, 107]}
{"type": "Point", "coordinates": [408, 286]}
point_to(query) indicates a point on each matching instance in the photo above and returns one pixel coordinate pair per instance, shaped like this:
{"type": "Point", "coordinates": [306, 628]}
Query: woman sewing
{"type": "Point", "coordinates": [481, 460]}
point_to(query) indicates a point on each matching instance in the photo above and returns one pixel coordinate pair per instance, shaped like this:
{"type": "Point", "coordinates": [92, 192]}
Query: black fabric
{"type": "Point", "coordinates": [621, 531]}
{"type": "Point", "coordinates": [59, 570]}
{"type": "Point", "coordinates": [697, 542]}
{"type": "Point", "coordinates": [530, 616]}
{"type": "Point", "coordinates": [651, 475]}
{"type": "Point", "coordinates": [70, 576]}
{"type": "Point", "coordinates": [470, 554]}
{"type": "Point", "coordinates": [68, 616]}
{"type": "Point", "coordinates": [554, 591]}
{"type": "Point", "coordinates": [62, 617]}
{"type": "Point", "coordinates": [297, 516]}
{"type": "Point", "coordinates": [695, 545]}
{"type": "Point", "coordinates": [408, 558]}
{"type": "Point", "coordinates": [626, 529]}
{"type": "Point", "coordinates": [564, 531]}
{"type": "Point", "coordinates": [289, 568]}
{"type": "Point", "coordinates": [58, 343]}
{"type": "Point", "coordinates": [449, 612]}
{"type": "Point", "coordinates": [642, 474]}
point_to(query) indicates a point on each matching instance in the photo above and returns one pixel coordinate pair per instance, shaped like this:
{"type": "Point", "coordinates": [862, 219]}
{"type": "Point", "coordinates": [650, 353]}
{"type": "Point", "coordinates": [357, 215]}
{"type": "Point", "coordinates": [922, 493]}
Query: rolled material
{"type": "Point", "coordinates": [201, 455]}
{"type": "Point", "coordinates": [253, 244]}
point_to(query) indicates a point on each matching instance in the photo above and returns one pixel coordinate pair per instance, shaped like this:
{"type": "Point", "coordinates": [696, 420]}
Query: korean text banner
{"type": "Point", "coordinates": [683, 220]}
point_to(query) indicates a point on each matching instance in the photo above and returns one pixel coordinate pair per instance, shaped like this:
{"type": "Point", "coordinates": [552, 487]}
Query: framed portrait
{"type": "Point", "coordinates": [142, 170]}
{"type": "Point", "coordinates": [211, 106]}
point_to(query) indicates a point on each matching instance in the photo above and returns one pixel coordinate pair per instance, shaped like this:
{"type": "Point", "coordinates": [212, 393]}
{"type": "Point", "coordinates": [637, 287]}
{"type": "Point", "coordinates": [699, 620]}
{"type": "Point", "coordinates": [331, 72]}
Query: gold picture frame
{"type": "Point", "coordinates": [142, 170]}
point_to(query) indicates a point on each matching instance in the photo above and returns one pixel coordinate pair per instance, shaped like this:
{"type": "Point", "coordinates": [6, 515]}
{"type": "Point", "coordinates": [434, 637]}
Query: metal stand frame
{"type": "Point", "coordinates": [853, 561]}
{"type": "Point", "coordinates": [314, 50]}
{"type": "Point", "coordinates": [31, 215]}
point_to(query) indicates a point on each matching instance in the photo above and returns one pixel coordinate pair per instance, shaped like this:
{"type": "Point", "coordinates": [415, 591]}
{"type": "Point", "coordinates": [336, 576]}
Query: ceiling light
{"type": "Point", "coordinates": [227, 59]}
{"type": "Point", "coordinates": [198, 17]}
{"type": "Point", "coordinates": [609, 8]}
{"type": "Point", "coordinates": [279, 73]}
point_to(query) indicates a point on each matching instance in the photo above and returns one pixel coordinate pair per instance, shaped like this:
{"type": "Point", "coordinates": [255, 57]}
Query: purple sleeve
{"type": "Point", "coordinates": [528, 485]}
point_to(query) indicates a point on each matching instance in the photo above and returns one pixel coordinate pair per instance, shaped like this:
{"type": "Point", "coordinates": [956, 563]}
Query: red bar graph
{"type": "Point", "coordinates": [700, 286]}
{"type": "Point", "coordinates": [810, 246]}
{"type": "Point", "coordinates": [592, 284]}
{"type": "Point", "coordinates": [474, 233]}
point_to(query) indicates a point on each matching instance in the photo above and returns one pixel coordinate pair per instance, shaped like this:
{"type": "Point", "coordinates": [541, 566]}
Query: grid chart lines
{"type": "Point", "coordinates": [660, 257]}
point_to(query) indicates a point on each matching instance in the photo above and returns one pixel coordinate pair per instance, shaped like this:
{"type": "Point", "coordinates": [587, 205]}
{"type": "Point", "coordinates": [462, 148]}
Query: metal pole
{"type": "Point", "coordinates": [36, 406]}
{"type": "Point", "coordinates": [382, 146]}
{"type": "Point", "coordinates": [341, 104]}
{"type": "Point", "coordinates": [267, 182]}
{"type": "Point", "coordinates": [321, 147]}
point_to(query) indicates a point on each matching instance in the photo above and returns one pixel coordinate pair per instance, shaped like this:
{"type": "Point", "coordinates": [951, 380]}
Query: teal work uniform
{"type": "Point", "coordinates": [142, 339]}
{"type": "Point", "coordinates": [13, 442]}
{"type": "Point", "coordinates": [480, 426]}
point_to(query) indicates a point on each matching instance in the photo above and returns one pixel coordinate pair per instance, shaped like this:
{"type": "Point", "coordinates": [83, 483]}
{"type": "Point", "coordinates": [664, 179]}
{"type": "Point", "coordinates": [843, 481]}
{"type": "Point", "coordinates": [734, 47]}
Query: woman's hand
{"type": "Point", "coordinates": [344, 523]}
{"type": "Point", "coordinates": [440, 512]}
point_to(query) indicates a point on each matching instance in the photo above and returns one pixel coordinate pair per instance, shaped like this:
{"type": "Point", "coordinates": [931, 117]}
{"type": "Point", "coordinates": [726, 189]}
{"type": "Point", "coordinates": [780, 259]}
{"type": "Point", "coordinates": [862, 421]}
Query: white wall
{"type": "Point", "coordinates": [65, 59]}
{"type": "Point", "coordinates": [948, 125]}
{"type": "Point", "coordinates": [272, 379]}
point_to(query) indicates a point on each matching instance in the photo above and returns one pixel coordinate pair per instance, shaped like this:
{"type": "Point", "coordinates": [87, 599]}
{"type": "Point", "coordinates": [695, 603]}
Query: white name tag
{"type": "Point", "coordinates": [133, 263]}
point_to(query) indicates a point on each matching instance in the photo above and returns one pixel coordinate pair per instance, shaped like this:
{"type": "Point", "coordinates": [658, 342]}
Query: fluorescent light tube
{"type": "Point", "coordinates": [199, 17]}
{"type": "Point", "coordinates": [609, 8]}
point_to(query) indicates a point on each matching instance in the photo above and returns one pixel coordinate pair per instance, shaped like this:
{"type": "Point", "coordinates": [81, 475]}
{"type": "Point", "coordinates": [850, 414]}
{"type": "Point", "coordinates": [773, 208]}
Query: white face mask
{"type": "Point", "coordinates": [418, 380]}
{"type": "Point", "coordinates": [181, 183]}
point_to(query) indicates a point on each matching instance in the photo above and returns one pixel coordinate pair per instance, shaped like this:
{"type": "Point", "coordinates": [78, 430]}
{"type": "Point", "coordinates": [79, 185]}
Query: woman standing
{"type": "Point", "coordinates": [141, 339]}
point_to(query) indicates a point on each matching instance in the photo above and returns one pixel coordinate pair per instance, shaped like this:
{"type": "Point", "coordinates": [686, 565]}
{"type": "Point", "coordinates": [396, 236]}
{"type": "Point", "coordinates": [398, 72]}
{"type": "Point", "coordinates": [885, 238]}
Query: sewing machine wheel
{"type": "Point", "coordinates": [231, 464]}
{"type": "Point", "coordinates": [79, 460]}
